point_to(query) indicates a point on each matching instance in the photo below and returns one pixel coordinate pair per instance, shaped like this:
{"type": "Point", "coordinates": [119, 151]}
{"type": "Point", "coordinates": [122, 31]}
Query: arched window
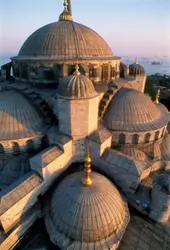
{"type": "Point", "coordinates": [147, 137]}
{"type": "Point", "coordinates": [2, 151]}
{"type": "Point", "coordinates": [135, 139]}
{"type": "Point", "coordinates": [163, 132]}
{"type": "Point", "coordinates": [122, 139]}
{"type": "Point", "coordinates": [15, 148]}
{"type": "Point", "coordinates": [44, 142]}
{"type": "Point", "coordinates": [30, 146]}
{"type": "Point", "coordinates": [157, 135]}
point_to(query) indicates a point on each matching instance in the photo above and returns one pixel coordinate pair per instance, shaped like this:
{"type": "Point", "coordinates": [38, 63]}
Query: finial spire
{"type": "Point", "coordinates": [77, 72]}
{"type": "Point", "coordinates": [157, 96]}
{"type": "Point", "coordinates": [66, 15]}
{"type": "Point", "coordinates": [86, 180]}
{"type": "Point", "coordinates": [65, 5]}
{"type": "Point", "coordinates": [136, 61]}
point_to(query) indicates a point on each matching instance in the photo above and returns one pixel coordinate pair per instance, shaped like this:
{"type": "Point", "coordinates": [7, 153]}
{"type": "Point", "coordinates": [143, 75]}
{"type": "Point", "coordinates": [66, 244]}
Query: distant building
{"type": "Point", "coordinates": [72, 104]}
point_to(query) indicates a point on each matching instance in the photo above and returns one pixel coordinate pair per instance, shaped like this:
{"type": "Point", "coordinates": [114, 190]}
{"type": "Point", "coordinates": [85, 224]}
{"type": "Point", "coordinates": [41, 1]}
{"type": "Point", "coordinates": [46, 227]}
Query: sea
{"type": "Point", "coordinates": [163, 68]}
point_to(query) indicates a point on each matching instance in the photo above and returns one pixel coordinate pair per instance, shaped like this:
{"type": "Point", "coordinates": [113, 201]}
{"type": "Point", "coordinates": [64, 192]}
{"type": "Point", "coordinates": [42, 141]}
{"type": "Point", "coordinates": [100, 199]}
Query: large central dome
{"type": "Point", "coordinates": [65, 40]}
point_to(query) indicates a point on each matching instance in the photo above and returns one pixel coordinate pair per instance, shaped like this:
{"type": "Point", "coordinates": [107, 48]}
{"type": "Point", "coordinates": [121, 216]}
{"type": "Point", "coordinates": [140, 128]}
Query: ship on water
{"type": "Point", "coordinates": [156, 63]}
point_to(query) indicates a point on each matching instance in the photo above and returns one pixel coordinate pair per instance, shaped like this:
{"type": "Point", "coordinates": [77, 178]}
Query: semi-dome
{"type": "Point", "coordinates": [86, 217]}
{"type": "Point", "coordinates": [76, 86]}
{"type": "Point", "coordinates": [65, 40]}
{"type": "Point", "coordinates": [18, 117]}
{"type": "Point", "coordinates": [135, 69]}
{"type": "Point", "coordinates": [131, 110]}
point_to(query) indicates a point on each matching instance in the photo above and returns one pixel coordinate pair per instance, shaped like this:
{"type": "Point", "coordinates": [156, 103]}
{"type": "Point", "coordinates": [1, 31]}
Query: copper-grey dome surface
{"type": "Point", "coordinates": [65, 40]}
{"type": "Point", "coordinates": [18, 118]}
{"type": "Point", "coordinates": [131, 110]}
{"type": "Point", "coordinates": [76, 87]}
{"type": "Point", "coordinates": [136, 69]}
{"type": "Point", "coordinates": [80, 217]}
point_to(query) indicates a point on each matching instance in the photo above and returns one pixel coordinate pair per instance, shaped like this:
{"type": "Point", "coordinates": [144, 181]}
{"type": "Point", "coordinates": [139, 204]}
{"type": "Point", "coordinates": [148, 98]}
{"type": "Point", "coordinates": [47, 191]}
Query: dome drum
{"type": "Point", "coordinates": [46, 46]}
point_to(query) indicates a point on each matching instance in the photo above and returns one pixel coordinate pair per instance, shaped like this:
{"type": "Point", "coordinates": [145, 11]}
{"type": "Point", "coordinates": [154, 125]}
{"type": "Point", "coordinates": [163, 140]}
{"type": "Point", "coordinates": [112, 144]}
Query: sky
{"type": "Point", "coordinates": [130, 27]}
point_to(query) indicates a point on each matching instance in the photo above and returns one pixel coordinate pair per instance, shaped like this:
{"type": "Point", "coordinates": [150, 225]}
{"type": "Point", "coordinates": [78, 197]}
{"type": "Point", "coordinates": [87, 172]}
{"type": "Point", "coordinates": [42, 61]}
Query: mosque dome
{"type": "Point", "coordinates": [76, 86]}
{"type": "Point", "coordinates": [131, 110]}
{"type": "Point", "coordinates": [18, 117]}
{"type": "Point", "coordinates": [65, 40]}
{"type": "Point", "coordinates": [86, 217]}
{"type": "Point", "coordinates": [136, 69]}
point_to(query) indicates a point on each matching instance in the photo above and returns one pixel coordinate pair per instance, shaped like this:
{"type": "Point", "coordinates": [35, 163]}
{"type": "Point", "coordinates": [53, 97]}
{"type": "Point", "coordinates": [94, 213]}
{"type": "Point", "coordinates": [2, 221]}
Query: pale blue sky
{"type": "Point", "coordinates": [131, 27]}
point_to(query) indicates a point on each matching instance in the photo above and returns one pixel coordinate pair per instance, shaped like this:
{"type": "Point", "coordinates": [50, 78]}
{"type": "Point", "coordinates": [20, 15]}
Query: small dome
{"type": "Point", "coordinates": [18, 117]}
{"type": "Point", "coordinates": [136, 69]}
{"type": "Point", "coordinates": [86, 217]}
{"type": "Point", "coordinates": [76, 87]}
{"type": "Point", "coordinates": [131, 110]}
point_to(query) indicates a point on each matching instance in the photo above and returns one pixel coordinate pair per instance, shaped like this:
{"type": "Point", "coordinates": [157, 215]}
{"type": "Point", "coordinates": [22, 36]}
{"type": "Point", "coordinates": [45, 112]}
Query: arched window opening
{"type": "Point", "coordinates": [135, 139]}
{"type": "Point", "coordinates": [44, 142]}
{"type": "Point", "coordinates": [163, 132]}
{"type": "Point", "coordinates": [122, 139]}
{"type": "Point", "coordinates": [30, 146]}
{"type": "Point", "coordinates": [157, 135]}
{"type": "Point", "coordinates": [15, 148]}
{"type": "Point", "coordinates": [147, 137]}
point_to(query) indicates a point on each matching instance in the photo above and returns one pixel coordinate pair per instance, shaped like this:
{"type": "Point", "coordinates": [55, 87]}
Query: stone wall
{"type": "Point", "coordinates": [138, 83]}
{"type": "Point", "coordinates": [160, 207]}
{"type": "Point", "coordinates": [78, 118]}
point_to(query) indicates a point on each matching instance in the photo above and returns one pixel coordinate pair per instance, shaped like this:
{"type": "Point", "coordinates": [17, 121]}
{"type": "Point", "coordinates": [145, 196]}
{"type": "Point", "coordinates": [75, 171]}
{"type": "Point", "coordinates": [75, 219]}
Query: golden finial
{"type": "Point", "coordinates": [157, 96]}
{"type": "Point", "coordinates": [136, 61]}
{"type": "Point", "coordinates": [77, 72]}
{"type": "Point", "coordinates": [66, 14]}
{"type": "Point", "coordinates": [86, 180]}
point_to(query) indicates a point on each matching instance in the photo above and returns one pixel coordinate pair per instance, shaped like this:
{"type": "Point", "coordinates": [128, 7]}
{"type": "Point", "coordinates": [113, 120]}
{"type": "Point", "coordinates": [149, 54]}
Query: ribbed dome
{"type": "Point", "coordinates": [86, 217]}
{"type": "Point", "coordinates": [18, 117]}
{"type": "Point", "coordinates": [131, 110]}
{"type": "Point", "coordinates": [76, 87]}
{"type": "Point", "coordinates": [136, 69]}
{"type": "Point", "coordinates": [65, 40]}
